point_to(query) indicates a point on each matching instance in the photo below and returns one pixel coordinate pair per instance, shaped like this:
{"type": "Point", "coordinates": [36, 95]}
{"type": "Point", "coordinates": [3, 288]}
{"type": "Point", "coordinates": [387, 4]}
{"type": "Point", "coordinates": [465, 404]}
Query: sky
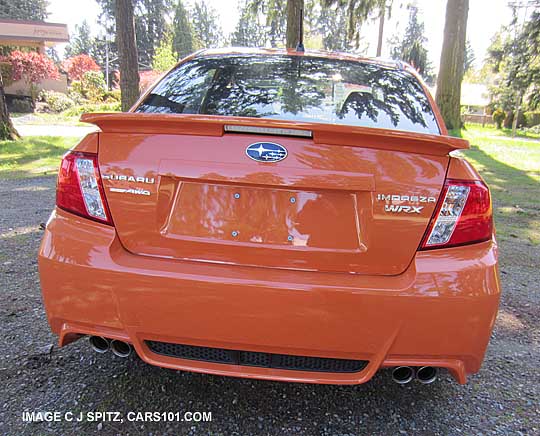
{"type": "Point", "coordinates": [485, 18]}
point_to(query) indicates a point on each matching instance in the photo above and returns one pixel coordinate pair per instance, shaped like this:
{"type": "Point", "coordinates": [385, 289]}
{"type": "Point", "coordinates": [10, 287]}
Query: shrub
{"type": "Point", "coordinates": [91, 88]}
{"type": "Point", "coordinates": [498, 118]}
{"type": "Point", "coordinates": [75, 92]}
{"type": "Point", "coordinates": [532, 119]}
{"type": "Point", "coordinates": [112, 96]}
{"type": "Point", "coordinates": [77, 66]}
{"type": "Point", "coordinates": [57, 101]}
{"type": "Point", "coordinates": [87, 108]}
{"type": "Point", "coordinates": [535, 130]}
{"type": "Point", "coordinates": [94, 86]}
{"type": "Point", "coordinates": [31, 66]}
{"type": "Point", "coordinates": [21, 105]}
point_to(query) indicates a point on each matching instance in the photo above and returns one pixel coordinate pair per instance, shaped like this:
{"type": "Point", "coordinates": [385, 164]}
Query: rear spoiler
{"type": "Point", "coordinates": [331, 134]}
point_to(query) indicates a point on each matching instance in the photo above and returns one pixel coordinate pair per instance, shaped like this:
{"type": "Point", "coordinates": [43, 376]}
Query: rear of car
{"type": "Point", "coordinates": [279, 216]}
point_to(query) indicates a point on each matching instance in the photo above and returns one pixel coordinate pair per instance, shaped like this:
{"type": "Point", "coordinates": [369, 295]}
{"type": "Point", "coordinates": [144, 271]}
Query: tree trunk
{"type": "Point", "coordinates": [127, 53]}
{"type": "Point", "coordinates": [448, 95]}
{"type": "Point", "coordinates": [294, 12]}
{"type": "Point", "coordinates": [516, 116]}
{"type": "Point", "coordinates": [381, 29]}
{"type": "Point", "coordinates": [7, 131]}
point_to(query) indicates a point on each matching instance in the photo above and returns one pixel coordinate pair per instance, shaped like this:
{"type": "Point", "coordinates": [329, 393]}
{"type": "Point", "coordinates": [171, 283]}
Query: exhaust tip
{"type": "Point", "coordinates": [402, 374]}
{"type": "Point", "coordinates": [99, 344]}
{"type": "Point", "coordinates": [120, 348]}
{"type": "Point", "coordinates": [427, 374]}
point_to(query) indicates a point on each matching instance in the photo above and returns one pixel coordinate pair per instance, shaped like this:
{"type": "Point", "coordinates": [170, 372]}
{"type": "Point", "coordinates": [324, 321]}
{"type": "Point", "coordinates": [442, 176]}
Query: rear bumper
{"type": "Point", "coordinates": [439, 312]}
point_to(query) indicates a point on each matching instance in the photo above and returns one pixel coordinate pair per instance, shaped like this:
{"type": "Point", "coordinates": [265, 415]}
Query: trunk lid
{"type": "Point", "coordinates": [345, 199]}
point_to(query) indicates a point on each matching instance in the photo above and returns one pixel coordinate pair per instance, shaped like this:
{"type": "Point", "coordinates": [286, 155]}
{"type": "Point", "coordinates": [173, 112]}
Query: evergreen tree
{"type": "Point", "coordinates": [332, 25]}
{"type": "Point", "coordinates": [411, 47]}
{"type": "Point", "coordinates": [513, 56]}
{"type": "Point", "coordinates": [206, 28]}
{"type": "Point", "coordinates": [470, 57]}
{"type": "Point", "coordinates": [182, 42]}
{"type": "Point", "coordinates": [53, 54]}
{"type": "Point", "coordinates": [275, 14]}
{"type": "Point", "coordinates": [35, 10]}
{"type": "Point", "coordinates": [150, 25]}
{"type": "Point", "coordinates": [358, 11]}
{"type": "Point", "coordinates": [81, 42]}
{"type": "Point", "coordinates": [248, 32]}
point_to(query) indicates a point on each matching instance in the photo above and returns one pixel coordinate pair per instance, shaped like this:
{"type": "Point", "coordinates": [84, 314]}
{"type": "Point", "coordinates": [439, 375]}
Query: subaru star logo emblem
{"type": "Point", "coordinates": [266, 152]}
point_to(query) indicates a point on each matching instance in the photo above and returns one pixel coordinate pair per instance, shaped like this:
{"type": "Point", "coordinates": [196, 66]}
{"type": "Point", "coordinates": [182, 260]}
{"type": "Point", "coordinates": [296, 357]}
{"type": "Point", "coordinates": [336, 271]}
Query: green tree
{"type": "Point", "coordinates": [150, 24]}
{"type": "Point", "coordinates": [81, 42]}
{"type": "Point", "coordinates": [411, 47]}
{"type": "Point", "coordinates": [358, 11]}
{"type": "Point", "coordinates": [513, 56]}
{"type": "Point", "coordinates": [206, 28]}
{"type": "Point", "coordinates": [249, 32]}
{"type": "Point", "coordinates": [182, 42]}
{"type": "Point", "coordinates": [35, 10]}
{"type": "Point", "coordinates": [164, 59]}
{"type": "Point", "coordinates": [470, 58]}
{"type": "Point", "coordinates": [275, 15]}
{"type": "Point", "coordinates": [332, 25]}
{"type": "Point", "coordinates": [531, 39]}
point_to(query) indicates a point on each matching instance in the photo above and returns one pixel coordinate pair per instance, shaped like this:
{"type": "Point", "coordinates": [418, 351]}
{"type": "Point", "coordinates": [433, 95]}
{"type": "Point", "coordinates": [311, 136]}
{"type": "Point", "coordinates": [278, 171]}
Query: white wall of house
{"type": "Point", "coordinates": [21, 88]}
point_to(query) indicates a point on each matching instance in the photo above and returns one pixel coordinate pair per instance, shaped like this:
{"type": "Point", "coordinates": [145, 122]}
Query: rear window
{"type": "Point", "coordinates": [296, 88]}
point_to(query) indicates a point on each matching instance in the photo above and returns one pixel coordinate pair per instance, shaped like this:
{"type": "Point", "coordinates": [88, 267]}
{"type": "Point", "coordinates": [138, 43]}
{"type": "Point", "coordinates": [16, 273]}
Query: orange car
{"type": "Point", "coordinates": [276, 215]}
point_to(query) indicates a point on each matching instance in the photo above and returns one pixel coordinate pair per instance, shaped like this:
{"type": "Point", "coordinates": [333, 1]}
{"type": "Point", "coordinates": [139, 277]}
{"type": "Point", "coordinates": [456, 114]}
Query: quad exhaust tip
{"type": "Point", "coordinates": [427, 374]}
{"type": "Point", "coordinates": [120, 348]}
{"type": "Point", "coordinates": [402, 374]}
{"type": "Point", "coordinates": [99, 344]}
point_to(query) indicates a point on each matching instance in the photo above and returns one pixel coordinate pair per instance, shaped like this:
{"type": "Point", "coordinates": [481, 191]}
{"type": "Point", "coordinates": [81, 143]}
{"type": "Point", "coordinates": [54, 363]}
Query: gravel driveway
{"type": "Point", "coordinates": [37, 376]}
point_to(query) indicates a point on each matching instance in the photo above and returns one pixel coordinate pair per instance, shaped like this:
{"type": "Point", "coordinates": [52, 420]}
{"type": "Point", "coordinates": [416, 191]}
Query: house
{"type": "Point", "coordinates": [37, 35]}
{"type": "Point", "coordinates": [475, 98]}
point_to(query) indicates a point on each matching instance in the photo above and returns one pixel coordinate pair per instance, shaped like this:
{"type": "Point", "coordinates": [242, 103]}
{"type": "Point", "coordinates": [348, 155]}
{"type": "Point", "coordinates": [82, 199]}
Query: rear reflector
{"type": "Point", "coordinates": [462, 216]}
{"type": "Point", "coordinates": [79, 189]}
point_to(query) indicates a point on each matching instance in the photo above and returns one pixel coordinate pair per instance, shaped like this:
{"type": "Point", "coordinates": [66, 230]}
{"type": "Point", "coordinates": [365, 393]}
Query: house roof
{"type": "Point", "coordinates": [19, 32]}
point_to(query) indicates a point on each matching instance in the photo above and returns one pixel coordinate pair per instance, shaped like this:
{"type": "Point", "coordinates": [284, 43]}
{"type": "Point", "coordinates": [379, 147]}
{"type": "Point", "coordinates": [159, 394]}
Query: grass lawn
{"type": "Point", "coordinates": [511, 167]}
{"type": "Point", "coordinates": [493, 131]}
{"type": "Point", "coordinates": [32, 156]}
{"type": "Point", "coordinates": [47, 119]}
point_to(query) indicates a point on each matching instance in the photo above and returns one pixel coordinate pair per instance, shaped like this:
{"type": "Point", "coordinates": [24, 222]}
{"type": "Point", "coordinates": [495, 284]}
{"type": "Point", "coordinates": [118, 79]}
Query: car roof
{"type": "Point", "coordinates": [227, 51]}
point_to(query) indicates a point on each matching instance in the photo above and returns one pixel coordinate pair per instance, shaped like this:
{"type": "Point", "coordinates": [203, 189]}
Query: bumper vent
{"type": "Point", "coordinates": [251, 358]}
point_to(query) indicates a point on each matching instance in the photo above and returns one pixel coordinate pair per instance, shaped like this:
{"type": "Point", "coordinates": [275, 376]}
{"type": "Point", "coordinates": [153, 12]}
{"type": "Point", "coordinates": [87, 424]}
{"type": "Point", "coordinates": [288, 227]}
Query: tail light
{"type": "Point", "coordinates": [462, 216]}
{"type": "Point", "coordinates": [79, 189]}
